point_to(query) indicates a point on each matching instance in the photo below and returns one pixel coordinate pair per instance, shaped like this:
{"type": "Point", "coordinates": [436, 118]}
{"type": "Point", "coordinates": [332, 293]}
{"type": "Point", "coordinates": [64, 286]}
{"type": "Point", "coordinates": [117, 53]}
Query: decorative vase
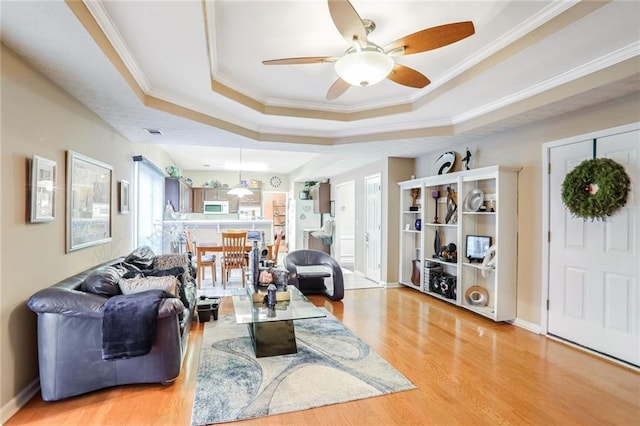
{"type": "Point", "coordinates": [418, 224]}
{"type": "Point", "coordinates": [415, 274]}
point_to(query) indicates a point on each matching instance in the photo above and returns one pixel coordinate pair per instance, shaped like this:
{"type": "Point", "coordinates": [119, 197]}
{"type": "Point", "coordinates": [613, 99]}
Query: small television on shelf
{"type": "Point", "coordinates": [477, 246]}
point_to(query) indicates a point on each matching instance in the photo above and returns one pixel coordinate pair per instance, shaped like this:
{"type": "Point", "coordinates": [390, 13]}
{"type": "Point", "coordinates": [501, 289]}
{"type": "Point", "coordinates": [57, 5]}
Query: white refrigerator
{"type": "Point", "coordinates": [303, 218]}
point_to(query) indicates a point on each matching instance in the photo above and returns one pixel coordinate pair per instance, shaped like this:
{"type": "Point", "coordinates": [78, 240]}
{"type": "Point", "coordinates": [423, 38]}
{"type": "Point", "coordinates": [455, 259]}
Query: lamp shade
{"type": "Point", "coordinates": [365, 67]}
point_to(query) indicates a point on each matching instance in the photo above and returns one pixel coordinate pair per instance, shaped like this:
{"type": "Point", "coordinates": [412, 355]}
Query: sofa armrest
{"type": "Point", "coordinates": [58, 300]}
{"type": "Point", "coordinates": [169, 307]}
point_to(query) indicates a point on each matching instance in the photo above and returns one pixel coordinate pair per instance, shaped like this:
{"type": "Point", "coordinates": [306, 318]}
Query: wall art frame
{"type": "Point", "coordinates": [89, 201]}
{"type": "Point", "coordinates": [42, 187]}
{"type": "Point", "coordinates": [125, 198]}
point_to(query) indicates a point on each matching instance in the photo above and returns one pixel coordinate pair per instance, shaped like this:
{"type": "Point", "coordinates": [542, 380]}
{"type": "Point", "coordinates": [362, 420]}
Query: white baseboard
{"type": "Point", "coordinates": [17, 402]}
{"type": "Point", "coordinates": [393, 285]}
{"type": "Point", "coordinates": [529, 326]}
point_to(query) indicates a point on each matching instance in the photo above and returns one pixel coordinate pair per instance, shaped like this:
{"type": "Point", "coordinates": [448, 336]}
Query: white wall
{"type": "Point", "coordinates": [40, 119]}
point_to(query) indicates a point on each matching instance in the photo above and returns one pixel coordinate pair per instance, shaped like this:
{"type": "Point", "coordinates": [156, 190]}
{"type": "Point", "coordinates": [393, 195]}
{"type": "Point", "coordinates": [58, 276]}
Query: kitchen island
{"type": "Point", "coordinates": [208, 231]}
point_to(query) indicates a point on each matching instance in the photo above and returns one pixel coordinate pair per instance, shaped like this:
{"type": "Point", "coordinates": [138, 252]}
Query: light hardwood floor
{"type": "Point", "coordinates": [467, 369]}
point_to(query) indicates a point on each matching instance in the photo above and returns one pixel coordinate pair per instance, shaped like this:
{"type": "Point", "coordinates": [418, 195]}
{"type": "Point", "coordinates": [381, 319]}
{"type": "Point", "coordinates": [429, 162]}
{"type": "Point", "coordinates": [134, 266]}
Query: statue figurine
{"type": "Point", "coordinates": [466, 159]}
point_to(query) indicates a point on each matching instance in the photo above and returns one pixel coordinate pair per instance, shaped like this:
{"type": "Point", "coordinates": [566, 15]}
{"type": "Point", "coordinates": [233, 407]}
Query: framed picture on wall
{"type": "Point", "coordinates": [42, 190]}
{"type": "Point", "coordinates": [124, 196]}
{"type": "Point", "coordinates": [88, 201]}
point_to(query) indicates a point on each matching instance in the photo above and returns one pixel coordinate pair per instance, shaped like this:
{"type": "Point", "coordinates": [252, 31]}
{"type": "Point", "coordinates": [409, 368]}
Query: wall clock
{"type": "Point", "coordinates": [275, 181]}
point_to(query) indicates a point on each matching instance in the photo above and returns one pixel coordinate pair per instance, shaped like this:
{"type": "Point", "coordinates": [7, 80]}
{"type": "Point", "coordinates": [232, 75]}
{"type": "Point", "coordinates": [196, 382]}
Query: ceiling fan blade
{"type": "Point", "coordinates": [432, 38]}
{"type": "Point", "coordinates": [408, 77]}
{"type": "Point", "coordinates": [348, 22]}
{"type": "Point", "coordinates": [307, 60]}
{"type": "Point", "coordinates": [337, 88]}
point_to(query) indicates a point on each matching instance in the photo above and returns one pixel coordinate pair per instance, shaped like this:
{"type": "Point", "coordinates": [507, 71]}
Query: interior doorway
{"type": "Point", "coordinates": [345, 224]}
{"type": "Point", "coordinates": [373, 227]}
{"type": "Point", "coordinates": [275, 208]}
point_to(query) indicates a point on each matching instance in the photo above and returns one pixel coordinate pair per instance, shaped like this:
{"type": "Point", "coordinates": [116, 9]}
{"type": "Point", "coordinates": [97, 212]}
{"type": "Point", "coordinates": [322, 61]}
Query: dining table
{"type": "Point", "coordinates": [214, 247]}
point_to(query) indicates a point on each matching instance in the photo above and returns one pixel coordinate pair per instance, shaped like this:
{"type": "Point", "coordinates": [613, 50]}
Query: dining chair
{"type": "Point", "coordinates": [234, 245]}
{"type": "Point", "coordinates": [203, 259]}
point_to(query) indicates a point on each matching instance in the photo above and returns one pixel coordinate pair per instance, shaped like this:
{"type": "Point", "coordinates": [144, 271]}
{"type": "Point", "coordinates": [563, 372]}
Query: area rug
{"type": "Point", "coordinates": [332, 366]}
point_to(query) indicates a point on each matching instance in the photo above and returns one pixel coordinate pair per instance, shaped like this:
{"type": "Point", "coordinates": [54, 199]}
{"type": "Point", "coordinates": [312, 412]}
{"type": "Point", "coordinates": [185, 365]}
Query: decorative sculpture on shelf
{"type": "Point", "coordinates": [466, 159]}
{"type": "Point", "coordinates": [435, 195]}
{"type": "Point", "coordinates": [452, 205]}
{"type": "Point", "coordinates": [415, 194]}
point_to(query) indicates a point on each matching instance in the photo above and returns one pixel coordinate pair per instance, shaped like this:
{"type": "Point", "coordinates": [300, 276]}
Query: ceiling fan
{"type": "Point", "coordinates": [365, 63]}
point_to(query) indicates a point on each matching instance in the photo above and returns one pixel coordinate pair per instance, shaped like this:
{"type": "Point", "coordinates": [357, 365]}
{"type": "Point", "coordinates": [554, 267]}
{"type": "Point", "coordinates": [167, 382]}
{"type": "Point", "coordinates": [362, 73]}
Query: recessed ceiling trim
{"type": "Point", "coordinates": [610, 60]}
{"type": "Point", "coordinates": [575, 87]}
{"type": "Point", "coordinates": [416, 100]}
{"type": "Point", "coordinates": [560, 21]}
{"type": "Point", "coordinates": [88, 20]}
{"type": "Point", "coordinates": [103, 19]}
{"type": "Point", "coordinates": [97, 32]}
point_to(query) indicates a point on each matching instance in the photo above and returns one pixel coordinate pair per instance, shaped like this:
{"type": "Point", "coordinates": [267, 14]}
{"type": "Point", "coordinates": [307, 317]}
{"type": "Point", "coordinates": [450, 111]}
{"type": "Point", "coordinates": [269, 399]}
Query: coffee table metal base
{"type": "Point", "coordinates": [273, 338]}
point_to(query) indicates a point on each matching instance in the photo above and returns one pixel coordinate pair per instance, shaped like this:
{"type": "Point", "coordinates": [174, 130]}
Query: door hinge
{"type": "Point", "coordinates": [548, 236]}
{"type": "Point", "coordinates": [547, 304]}
{"type": "Point", "coordinates": [548, 168]}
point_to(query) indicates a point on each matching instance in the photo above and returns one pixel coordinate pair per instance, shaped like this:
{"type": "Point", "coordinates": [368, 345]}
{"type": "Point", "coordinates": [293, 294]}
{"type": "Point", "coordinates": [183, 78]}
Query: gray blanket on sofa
{"type": "Point", "coordinates": [129, 324]}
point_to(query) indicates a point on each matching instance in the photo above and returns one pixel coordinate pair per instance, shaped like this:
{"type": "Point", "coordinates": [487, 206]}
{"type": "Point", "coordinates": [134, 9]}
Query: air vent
{"type": "Point", "coordinates": [154, 132]}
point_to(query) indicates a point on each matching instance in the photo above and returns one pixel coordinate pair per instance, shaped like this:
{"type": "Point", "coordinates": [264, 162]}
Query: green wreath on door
{"type": "Point", "coordinates": [595, 189]}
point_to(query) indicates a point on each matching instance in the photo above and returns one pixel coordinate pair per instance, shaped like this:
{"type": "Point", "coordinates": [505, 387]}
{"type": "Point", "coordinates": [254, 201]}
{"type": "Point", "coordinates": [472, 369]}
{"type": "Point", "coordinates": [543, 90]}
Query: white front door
{"type": "Point", "coordinates": [594, 267]}
{"type": "Point", "coordinates": [373, 227]}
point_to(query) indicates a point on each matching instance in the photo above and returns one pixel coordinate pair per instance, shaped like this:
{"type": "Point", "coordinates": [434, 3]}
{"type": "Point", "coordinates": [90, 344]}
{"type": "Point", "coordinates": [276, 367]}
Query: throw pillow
{"type": "Point", "coordinates": [103, 281]}
{"type": "Point", "coordinates": [142, 258]}
{"type": "Point", "coordinates": [166, 261]}
{"type": "Point", "coordinates": [139, 284]}
{"type": "Point", "coordinates": [175, 271]}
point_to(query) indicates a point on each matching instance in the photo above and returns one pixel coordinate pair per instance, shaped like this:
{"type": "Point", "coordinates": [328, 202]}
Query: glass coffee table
{"type": "Point", "coordinates": [271, 329]}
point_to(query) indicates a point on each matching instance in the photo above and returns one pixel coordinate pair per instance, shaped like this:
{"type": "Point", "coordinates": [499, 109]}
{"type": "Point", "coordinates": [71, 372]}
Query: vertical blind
{"type": "Point", "coordinates": [149, 202]}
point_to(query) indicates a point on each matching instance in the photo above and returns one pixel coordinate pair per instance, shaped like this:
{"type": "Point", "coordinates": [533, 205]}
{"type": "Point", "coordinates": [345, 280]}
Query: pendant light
{"type": "Point", "coordinates": [240, 190]}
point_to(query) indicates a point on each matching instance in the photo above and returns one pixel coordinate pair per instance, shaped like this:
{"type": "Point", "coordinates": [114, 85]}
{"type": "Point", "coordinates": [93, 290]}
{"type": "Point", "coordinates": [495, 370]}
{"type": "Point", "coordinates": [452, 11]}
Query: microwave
{"type": "Point", "coordinates": [216, 207]}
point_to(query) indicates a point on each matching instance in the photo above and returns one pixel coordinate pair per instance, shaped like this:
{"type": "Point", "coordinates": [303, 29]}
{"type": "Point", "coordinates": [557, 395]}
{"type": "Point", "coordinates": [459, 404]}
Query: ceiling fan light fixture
{"type": "Point", "coordinates": [364, 68]}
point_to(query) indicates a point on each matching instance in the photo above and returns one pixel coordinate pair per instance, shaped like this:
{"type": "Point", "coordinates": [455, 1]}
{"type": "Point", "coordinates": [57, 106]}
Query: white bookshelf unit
{"type": "Point", "coordinates": [433, 254]}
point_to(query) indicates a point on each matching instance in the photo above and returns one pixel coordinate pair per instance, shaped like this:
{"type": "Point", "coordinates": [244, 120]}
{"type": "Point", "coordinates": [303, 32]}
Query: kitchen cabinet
{"type": "Point", "coordinates": [198, 200]}
{"type": "Point", "coordinates": [178, 193]}
{"type": "Point", "coordinates": [321, 196]}
{"type": "Point", "coordinates": [255, 199]}
{"type": "Point", "coordinates": [200, 195]}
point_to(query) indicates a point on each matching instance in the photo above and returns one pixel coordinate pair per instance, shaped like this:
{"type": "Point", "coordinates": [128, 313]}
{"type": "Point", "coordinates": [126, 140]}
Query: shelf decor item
{"type": "Point", "coordinates": [595, 189]}
{"type": "Point", "coordinates": [418, 224]}
{"type": "Point", "coordinates": [435, 195]}
{"type": "Point", "coordinates": [445, 162]}
{"type": "Point", "coordinates": [415, 194]}
{"type": "Point", "coordinates": [477, 296]}
{"type": "Point", "coordinates": [474, 200]}
{"type": "Point", "coordinates": [452, 205]}
{"type": "Point", "coordinates": [415, 273]}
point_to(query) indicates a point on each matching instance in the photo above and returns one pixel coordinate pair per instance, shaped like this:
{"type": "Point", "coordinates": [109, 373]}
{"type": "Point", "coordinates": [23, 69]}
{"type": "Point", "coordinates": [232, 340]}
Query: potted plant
{"type": "Point", "coordinates": [304, 194]}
